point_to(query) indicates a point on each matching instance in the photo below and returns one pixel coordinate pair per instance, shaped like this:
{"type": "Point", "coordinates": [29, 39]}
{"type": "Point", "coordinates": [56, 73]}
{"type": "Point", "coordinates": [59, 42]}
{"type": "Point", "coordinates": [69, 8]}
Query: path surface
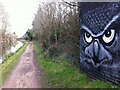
{"type": "Point", "coordinates": [25, 75]}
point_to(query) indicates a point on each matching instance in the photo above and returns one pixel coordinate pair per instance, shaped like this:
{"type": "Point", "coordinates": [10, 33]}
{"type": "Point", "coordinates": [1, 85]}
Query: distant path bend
{"type": "Point", "coordinates": [25, 75]}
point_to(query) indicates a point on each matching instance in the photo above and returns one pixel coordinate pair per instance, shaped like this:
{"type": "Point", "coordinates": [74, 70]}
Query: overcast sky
{"type": "Point", "coordinates": [21, 14]}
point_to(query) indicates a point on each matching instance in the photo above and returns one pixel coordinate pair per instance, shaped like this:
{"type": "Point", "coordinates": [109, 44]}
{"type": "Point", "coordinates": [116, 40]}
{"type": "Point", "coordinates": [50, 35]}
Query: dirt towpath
{"type": "Point", "coordinates": [25, 75]}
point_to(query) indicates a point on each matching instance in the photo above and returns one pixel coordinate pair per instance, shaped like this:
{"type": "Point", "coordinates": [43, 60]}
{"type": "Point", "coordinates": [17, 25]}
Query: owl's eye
{"type": "Point", "coordinates": [109, 36]}
{"type": "Point", "coordinates": [88, 37]}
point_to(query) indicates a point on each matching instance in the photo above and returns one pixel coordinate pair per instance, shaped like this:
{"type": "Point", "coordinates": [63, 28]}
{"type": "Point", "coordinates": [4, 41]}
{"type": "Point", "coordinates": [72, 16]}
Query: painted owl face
{"type": "Point", "coordinates": [100, 35]}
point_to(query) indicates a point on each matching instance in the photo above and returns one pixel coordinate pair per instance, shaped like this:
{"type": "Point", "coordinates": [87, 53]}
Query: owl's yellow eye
{"type": "Point", "coordinates": [88, 37]}
{"type": "Point", "coordinates": [109, 36]}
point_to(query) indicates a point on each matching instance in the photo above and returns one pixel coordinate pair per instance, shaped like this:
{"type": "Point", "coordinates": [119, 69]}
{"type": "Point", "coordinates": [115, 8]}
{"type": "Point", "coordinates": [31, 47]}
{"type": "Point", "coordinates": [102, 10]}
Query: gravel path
{"type": "Point", "coordinates": [26, 74]}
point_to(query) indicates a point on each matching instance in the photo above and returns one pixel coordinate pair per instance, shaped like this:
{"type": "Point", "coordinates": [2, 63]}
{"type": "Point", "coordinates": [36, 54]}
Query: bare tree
{"type": "Point", "coordinates": [6, 38]}
{"type": "Point", "coordinates": [56, 25]}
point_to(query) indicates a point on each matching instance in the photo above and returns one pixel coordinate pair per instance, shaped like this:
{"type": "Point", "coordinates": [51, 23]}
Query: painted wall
{"type": "Point", "coordinates": [100, 40]}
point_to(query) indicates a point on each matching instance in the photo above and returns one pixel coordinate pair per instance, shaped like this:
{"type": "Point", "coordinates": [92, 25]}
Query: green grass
{"type": "Point", "coordinates": [58, 73]}
{"type": "Point", "coordinates": [9, 64]}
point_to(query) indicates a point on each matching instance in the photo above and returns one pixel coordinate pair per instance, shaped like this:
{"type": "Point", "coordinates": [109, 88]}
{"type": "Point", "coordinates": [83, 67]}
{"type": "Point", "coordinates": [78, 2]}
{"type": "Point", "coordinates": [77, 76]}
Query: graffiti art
{"type": "Point", "coordinates": [100, 40]}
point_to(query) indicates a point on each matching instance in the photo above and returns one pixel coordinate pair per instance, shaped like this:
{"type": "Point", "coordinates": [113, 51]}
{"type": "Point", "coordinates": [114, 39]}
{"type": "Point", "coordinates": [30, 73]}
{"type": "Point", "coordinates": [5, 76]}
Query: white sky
{"type": "Point", "coordinates": [21, 14]}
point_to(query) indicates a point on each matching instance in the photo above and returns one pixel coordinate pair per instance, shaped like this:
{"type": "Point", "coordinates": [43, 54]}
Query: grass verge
{"type": "Point", "coordinates": [58, 73]}
{"type": "Point", "coordinates": [9, 64]}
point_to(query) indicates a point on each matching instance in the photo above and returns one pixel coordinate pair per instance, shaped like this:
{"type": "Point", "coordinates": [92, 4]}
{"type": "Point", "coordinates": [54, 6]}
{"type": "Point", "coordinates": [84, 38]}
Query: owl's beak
{"type": "Point", "coordinates": [96, 52]}
{"type": "Point", "coordinates": [95, 48]}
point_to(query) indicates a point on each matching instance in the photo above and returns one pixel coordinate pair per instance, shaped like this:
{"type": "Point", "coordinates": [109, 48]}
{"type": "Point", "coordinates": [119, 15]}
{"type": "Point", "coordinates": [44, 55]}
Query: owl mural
{"type": "Point", "coordinates": [100, 40]}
